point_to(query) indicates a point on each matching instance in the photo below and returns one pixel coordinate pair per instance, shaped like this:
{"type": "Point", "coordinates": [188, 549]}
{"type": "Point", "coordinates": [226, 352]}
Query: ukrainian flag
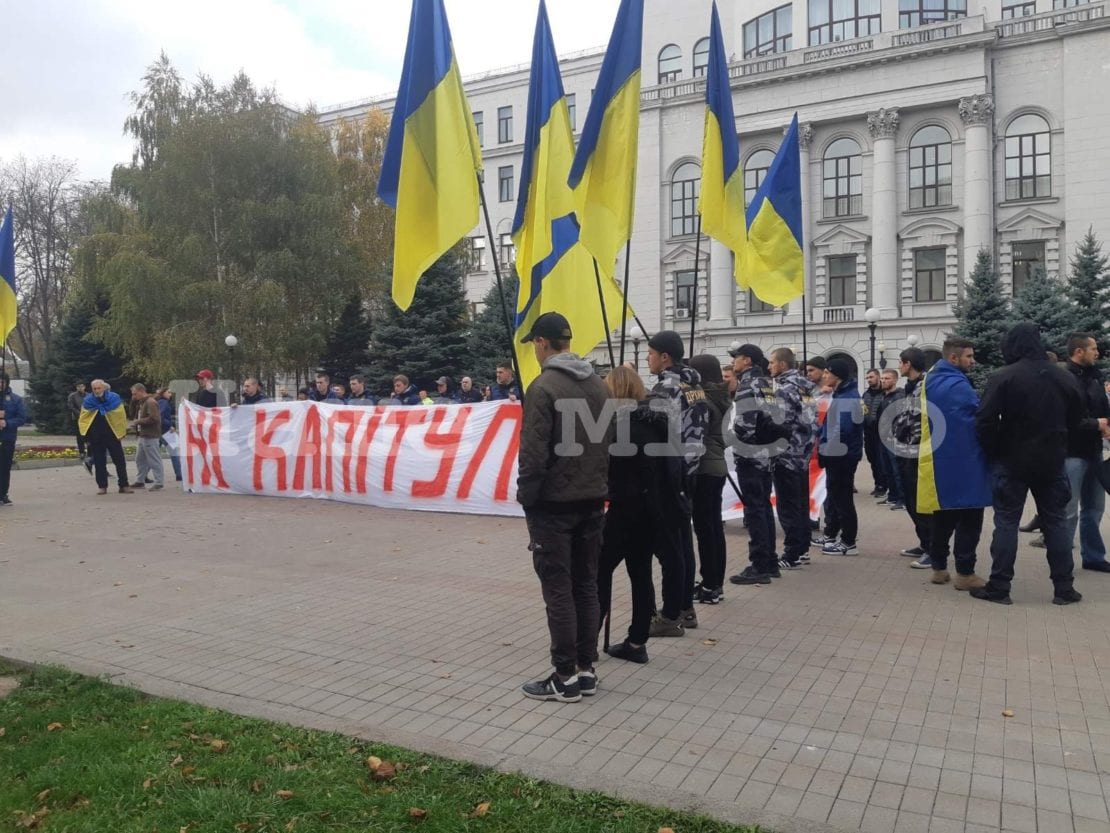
{"type": "Point", "coordinates": [429, 172]}
{"type": "Point", "coordinates": [603, 175]}
{"type": "Point", "coordinates": [556, 272]}
{"type": "Point", "coordinates": [773, 263]}
{"type": "Point", "coordinates": [7, 277]}
{"type": "Point", "coordinates": [721, 202]}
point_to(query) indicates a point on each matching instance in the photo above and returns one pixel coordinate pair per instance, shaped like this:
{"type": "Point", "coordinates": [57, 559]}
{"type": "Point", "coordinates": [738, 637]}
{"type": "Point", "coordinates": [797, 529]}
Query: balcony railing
{"type": "Point", "coordinates": [840, 315]}
{"type": "Point", "coordinates": [837, 50]}
{"type": "Point", "coordinates": [916, 36]}
{"type": "Point", "coordinates": [1050, 20]}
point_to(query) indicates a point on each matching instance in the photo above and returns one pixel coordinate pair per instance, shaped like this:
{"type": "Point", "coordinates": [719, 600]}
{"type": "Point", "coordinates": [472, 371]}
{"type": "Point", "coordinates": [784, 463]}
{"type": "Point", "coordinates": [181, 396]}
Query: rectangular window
{"type": "Point", "coordinates": [477, 259]}
{"type": "Point", "coordinates": [1028, 166]}
{"type": "Point", "coordinates": [508, 251]}
{"type": "Point", "coordinates": [836, 20]}
{"type": "Point", "coordinates": [1021, 8]}
{"type": "Point", "coordinates": [931, 175]}
{"type": "Point", "coordinates": [1028, 261]}
{"type": "Point", "coordinates": [480, 127]}
{"type": "Point", "coordinates": [571, 111]}
{"type": "Point", "coordinates": [684, 206]}
{"type": "Point", "coordinates": [756, 305]}
{"type": "Point", "coordinates": [768, 33]}
{"type": "Point", "coordinates": [913, 13]}
{"type": "Point", "coordinates": [842, 280]}
{"type": "Point", "coordinates": [928, 274]}
{"type": "Point", "coordinates": [504, 124]}
{"type": "Point", "coordinates": [684, 293]}
{"type": "Point", "coordinates": [1067, 4]}
{"type": "Point", "coordinates": [505, 184]}
{"type": "Point", "coordinates": [843, 186]}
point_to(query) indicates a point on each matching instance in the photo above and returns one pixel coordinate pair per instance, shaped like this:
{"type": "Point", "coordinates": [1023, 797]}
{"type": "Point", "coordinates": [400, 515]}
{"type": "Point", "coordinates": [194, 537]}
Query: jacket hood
{"type": "Point", "coordinates": [718, 395]}
{"type": "Point", "coordinates": [1023, 342]}
{"type": "Point", "coordinates": [571, 364]}
{"type": "Point", "coordinates": [683, 373]}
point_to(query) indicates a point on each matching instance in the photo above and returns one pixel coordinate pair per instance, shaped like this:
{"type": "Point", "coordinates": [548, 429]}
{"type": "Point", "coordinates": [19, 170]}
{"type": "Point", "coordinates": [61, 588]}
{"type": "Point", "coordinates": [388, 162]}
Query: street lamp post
{"type": "Point", "coordinates": [637, 335]}
{"type": "Point", "coordinates": [872, 316]}
{"type": "Point", "coordinates": [232, 342]}
{"type": "Point", "coordinates": [912, 340]}
{"type": "Point", "coordinates": [882, 355]}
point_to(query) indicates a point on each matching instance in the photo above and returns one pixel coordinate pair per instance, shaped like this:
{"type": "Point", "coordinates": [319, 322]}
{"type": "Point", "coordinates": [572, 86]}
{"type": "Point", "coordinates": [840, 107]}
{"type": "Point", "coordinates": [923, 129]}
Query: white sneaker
{"type": "Point", "coordinates": [839, 548]}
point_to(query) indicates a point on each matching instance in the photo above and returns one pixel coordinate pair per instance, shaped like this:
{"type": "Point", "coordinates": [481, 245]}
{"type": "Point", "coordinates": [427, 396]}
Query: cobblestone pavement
{"type": "Point", "coordinates": [848, 695]}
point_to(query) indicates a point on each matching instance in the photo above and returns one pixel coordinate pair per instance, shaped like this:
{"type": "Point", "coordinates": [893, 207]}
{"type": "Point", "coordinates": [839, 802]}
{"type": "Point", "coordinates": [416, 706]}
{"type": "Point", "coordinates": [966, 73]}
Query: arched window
{"type": "Point", "coordinates": [754, 171]}
{"type": "Point", "coordinates": [843, 179]}
{"type": "Point", "coordinates": [685, 185]}
{"type": "Point", "coordinates": [922, 12]}
{"type": "Point", "coordinates": [930, 167]}
{"type": "Point", "coordinates": [701, 57]}
{"type": "Point", "coordinates": [670, 64]}
{"type": "Point", "coordinates": [836, 20]}
{"type": "Point", "coordinates": [770, 32]}
{"type": "Point", "coordinates": [1028, 158]}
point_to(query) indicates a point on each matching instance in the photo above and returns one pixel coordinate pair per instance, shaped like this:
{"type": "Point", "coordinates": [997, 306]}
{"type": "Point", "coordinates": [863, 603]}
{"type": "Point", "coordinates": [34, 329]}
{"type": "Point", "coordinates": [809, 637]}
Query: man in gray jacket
{"type": "Point", "coordinates": [562, 485]}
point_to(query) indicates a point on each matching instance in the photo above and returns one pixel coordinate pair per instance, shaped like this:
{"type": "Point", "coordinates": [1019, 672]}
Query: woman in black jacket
{"type": "Point", "coordinates": [634, 507]}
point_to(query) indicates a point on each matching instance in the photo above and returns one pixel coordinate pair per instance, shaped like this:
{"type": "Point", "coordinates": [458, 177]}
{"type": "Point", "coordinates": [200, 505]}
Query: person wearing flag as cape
{"type": "Point", "coordinates": [103, 423]}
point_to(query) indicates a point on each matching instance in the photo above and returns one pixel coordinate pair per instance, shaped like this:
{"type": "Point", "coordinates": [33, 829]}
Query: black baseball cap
{"type": "Point", "coordinates": [550, 325]}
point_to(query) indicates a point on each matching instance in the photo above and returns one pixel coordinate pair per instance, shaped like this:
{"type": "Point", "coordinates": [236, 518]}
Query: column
{"type": "Point", "coordinates": [977, 112]}
{"type": "Point", "coordinates": [805, 139]}
{"type": "Point", "coordinates": [720, 282]}
{"type": "Point", "coordinates": [883, 125]}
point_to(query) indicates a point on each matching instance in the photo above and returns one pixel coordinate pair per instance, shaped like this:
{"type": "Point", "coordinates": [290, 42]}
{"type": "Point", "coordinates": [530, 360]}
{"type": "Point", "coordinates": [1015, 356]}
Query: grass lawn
{"type": "Point", "coordinates": [77, 754]}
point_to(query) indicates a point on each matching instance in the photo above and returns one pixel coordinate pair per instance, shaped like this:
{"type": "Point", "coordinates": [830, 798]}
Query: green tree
{"type": "Point", "coordinates": [1090, 290]}
{"type": "Point", "coordinates": [428, 340]}
{"type": "Point", "coordinates": [487, 343]}
{"type": "Point", "coordinates": [983, 316]}
{"type": "Point", "coordinates": [1045, 302]}
{"type": "Point", "coordinates": [347, 350]}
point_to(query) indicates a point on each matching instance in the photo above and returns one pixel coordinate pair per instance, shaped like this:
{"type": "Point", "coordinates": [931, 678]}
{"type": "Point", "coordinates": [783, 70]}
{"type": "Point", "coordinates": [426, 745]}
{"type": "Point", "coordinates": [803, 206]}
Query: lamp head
{"type": "Point", "coordinates": [231, 341]}
{"type": "Point", "coordinates": [872, 315]}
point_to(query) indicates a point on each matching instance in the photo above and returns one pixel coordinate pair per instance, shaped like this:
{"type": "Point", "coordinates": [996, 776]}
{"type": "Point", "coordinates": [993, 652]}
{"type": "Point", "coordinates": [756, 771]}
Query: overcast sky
{"type": "Point", "coordinates": [70, 64]}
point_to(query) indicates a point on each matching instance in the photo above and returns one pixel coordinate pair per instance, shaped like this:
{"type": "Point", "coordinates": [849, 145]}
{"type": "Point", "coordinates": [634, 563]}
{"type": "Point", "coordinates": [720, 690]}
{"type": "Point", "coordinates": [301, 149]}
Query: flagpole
{"type": "Point", "coordinates": [624, 295]}
{"type": "Point", "coordinates": [500, 285]}
{"type": "Point", "coordinates": [604, 315]}
{"type": "Point", "coordinates": [805, 344]}
{"type": "Point", "coordinates": [697, 270]}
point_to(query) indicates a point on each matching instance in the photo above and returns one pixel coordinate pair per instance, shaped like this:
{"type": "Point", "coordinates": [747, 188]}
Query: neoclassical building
{"type": "Point", "coordinates": [930, 129]}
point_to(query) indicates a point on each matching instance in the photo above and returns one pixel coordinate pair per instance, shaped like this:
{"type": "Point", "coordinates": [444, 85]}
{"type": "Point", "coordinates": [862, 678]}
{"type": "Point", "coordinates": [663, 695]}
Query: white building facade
{"type": "Point", "coordinates": [930, 129]}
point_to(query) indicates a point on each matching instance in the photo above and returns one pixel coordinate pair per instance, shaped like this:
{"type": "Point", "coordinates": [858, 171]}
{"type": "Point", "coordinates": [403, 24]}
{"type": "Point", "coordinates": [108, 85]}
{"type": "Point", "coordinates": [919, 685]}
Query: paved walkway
{"type": "Point", "coordinates": [850, 695]}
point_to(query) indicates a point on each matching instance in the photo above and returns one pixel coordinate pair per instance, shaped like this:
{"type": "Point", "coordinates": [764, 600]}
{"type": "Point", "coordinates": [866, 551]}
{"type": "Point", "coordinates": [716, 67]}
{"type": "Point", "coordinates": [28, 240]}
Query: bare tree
{"type": "Point", "coordinates": [46, 200]}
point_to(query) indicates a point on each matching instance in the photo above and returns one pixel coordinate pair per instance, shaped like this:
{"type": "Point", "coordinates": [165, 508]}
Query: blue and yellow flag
{"type": "Point", "coordinates": [773, 263]}
{"type": "Point", "coordinates": [721, 202]}
{"type": "Point", "coordinates": [429, 172]}
{"type": "Point", "coordinates": [603, 175]}
{"type": "Point", "coordinates": [7, 277]}
{"type": "Point", "coordinates": [556, 272]}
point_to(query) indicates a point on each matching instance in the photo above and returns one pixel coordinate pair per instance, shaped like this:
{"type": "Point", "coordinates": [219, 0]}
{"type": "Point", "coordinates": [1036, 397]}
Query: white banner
{"type": "Point", "coordinates": [438, 458]}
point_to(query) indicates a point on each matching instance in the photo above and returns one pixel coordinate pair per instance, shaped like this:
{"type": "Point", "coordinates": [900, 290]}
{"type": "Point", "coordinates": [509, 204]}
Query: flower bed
{"type": "Point", "coordinates": [53, 452]}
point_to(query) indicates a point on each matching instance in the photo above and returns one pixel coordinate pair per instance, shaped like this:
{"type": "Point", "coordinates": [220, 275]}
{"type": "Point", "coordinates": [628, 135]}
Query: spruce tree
{"type": "Point", "coordinates": [347, 351]}
{"type": "Point", "coordinates": [1090, 290]}
{"type": "Point", "coordinates": [488, 342]}
{"type": "Point", "coordinates": [428, 340]}
{"type": "Point", "coordinates": [1044, 302]}
{"type": "Point", "coordinates": [983, 316]}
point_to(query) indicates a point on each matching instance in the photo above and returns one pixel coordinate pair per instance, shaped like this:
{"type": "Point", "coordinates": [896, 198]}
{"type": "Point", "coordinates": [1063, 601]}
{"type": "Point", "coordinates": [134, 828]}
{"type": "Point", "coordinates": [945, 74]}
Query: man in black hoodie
{"type": "Point", "coordinates": [1088, 498]}
{"type": "Point", "coordinates": [1028, 411]}
{"type": "Point", "coordinates": [709, 483]}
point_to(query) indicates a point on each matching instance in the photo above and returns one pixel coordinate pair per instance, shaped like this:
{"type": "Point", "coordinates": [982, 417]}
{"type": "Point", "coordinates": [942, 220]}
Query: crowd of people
{"type": "Point", "coordinates": [646, 469]}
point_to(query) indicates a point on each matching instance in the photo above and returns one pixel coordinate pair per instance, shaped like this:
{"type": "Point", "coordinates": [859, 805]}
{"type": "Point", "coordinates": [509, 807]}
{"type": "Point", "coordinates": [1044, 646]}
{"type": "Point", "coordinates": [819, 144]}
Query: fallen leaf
{"type": "Point", "coordinates": [218, 745]}
{"type": "Point", "coordinates": [42, 796]}
{"type": "Point", "coordinates": [118, 584]}
{"type": "Point", "coordinates": [1008, 713]}
{"type": "Point", "coordinates": [243, 826]}
{"type": "Point", "coordinates": [292, 823]}
{"type": "Point", "coordinates": [424, 769]}
{"type": "Point", "coordinates": [133, 596]}
{"type": "Point", "coordinates": [184, 829]}
{"type": "Point", "coordinates": [54, 726]}
{"type": "Point", "coordinates": [256, 786]}
{"type": "Point", "coordinates": [445, 676]}
{"type": "Point", "coordinates": [147, 783]}
{"type": "Point", "coordinates": [284, 793]}
{"type": "Point", "coordinates": [188, 770]}
{"type": "Point", "coordinates": [479, 811]}
{"type": "Point", "coordinates": [3, 731]}
{"type": "Point", "coordinates": [666, 830]}
{"type": "Point", "coordinates": [417, 813]}
{"type": "Point", "coordinates": [710, 643]}
{"type": "Point", "coordinates": [176, 761]}
{"type": "Point", "coordinates": [385, 772]}
{"type": "Point", "coordinates": [373, 762]}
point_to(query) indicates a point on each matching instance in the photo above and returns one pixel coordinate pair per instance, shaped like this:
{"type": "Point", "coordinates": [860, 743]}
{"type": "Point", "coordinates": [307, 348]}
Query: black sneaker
{"type": "Point", "coordinates": [990, 594]}
{"type": "Point", "coordinates": [1067, 597]}
{"type": "Point", "coordinates": [627, 652]}
{"type": "Point", "coordinates": [784, 564]}
{"type": "Point", "coordinates": [689, 619]}
{"type": "Point", "coordinates": [775, 572]}
{"type": "Point", "coordinates": [750, 576]}
{"type": "Point", "coordinates": [88, 464]}
{"type": "Point", "coordinates": [553, 688]}
{"type": "Point", "coordinates": [1097, 566]}
{"type": "Point", "coordinates": [5, 501]}
{"type": "Point", "coordinates": [587, 682]}
{"type": "Point", "coordinates": [709, 595]}
{"type": "Point", "coordinates": [913, 552]}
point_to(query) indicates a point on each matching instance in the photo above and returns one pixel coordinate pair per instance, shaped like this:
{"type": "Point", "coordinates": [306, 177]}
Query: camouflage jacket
{"type": "Point", "coordinates": [758, 426]}
{"type": "Point", "coordinates": [905, 419]}
{"type": "Point", "coordinates": [679, 388]}
{"type": "Point", "coordinates": [798, 408]}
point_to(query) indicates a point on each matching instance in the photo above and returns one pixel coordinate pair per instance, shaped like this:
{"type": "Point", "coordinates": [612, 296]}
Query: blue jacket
{"type": "Point", "coordinates": [166, 410]}
{"type": "Point", "coordinates": [497, 391]}
{"type": "Point", "coordinates": [955, 474]}
{"type": "Point", "coordinates": [409, 396]}
{"type": "Point", "coordinates": [842, 430]}
{"type": "Point", "coordinates": [15, 415]}
{"type": "Point", "coordinates": [314, 396]}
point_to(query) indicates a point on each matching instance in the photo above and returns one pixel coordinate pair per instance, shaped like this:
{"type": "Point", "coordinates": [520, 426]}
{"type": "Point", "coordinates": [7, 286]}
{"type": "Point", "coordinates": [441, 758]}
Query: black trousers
{"type": "Point", "coordinates": [755, 489]}
{"type": "Point", "coordinates": [840, 477]}
{"type": "Point", "coordinates": [100, 450]}
{"type": "Point", "coordinates": [922, 524]}
{"type": "Point", "coordinates": [7, 454]}
{"type": "Point", "coordinates": [873, 448]}
{"type": "Point", "coordinates": [967, 525]}
{"type": "Point", "coordinates": [629, 536]}
{"type": "Point", "coordinates": [792, 504]}
{"type": "Point", "coordinates": [1051, 495]}
{"type": "Point", "coordinates": [565, 550]}
{"type": "Point", "coordinates": [709, 528]}
{"type": "Point", "coordinates": [77, 435]}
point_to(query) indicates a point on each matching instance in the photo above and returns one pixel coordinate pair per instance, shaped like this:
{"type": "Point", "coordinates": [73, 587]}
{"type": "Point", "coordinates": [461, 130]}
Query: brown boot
{"type": "Point", "coordinates": [968, 582]}
{"type": "Point", "coordinates": [126, 490]}
{"type": "Point", "coordinates": [102, 491]}
{"type": "Point", "coordinates": [940, 577]}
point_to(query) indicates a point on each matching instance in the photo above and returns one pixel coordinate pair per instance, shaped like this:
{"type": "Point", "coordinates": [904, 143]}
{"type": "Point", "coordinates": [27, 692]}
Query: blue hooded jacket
{"type": "Point", "coordinates": [15, 415]}
{"type": "Point", "coordinates": [842, 430]}
{"type": "Point", "coordinates": [955, 474]}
